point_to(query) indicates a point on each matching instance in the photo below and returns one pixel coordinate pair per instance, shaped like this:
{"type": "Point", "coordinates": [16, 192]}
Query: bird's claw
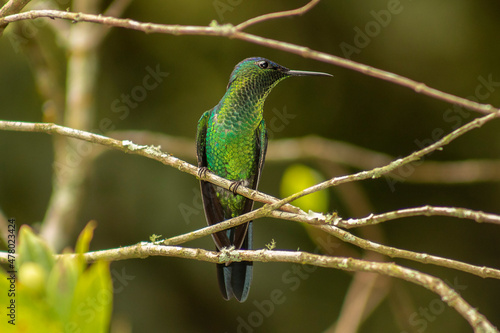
{"type": "Point", "coordinates": [234, 186]}
{"type": "Point", "coordinates": [202, 172]}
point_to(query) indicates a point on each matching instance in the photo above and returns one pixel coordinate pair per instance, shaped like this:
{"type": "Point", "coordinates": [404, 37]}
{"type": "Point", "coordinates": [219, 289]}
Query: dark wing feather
{"type": "Point", "coordinates": [260, 152]}
{"type": "Point", "coordinates": [213, 208]}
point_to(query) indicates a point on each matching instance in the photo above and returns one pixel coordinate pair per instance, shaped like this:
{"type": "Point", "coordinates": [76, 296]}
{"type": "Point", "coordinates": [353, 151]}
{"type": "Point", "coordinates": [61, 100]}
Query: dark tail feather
{"type": "Point", "coordinates": [235, 278]}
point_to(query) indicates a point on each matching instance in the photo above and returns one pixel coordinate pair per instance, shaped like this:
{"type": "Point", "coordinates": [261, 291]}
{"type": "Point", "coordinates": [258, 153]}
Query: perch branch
{"type": "Point", "coordinates": [143, 250]}
{"type": "Point", "coordinates": [230, 31]}
{"type": "Point", "coordinates": [319, 220]}
{"type": "Point", "coordinates": [148, 151]}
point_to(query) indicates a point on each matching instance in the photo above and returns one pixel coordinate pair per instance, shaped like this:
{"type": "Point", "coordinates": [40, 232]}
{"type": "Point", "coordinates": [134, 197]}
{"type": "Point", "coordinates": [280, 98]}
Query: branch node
{"type": "Point", "coordinates": [228, 255]}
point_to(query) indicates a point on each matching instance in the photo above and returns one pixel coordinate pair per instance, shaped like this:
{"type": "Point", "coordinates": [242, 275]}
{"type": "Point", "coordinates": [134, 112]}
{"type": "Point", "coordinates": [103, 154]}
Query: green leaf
{"type": "Point", "coordinates": [33, 249]}
{"type": "Point", "coordinates": [53, 296]}
{"type": "Point", "coordinates": [61, 285]}
{"type": "Point", "coordinates": [83, 242]}
{"type": "Point", "coordinates": [31, 312]}
{"type": "Point", "coordinates": [93, 300]}
{"type": "Point", "coordinates": [298, 177]}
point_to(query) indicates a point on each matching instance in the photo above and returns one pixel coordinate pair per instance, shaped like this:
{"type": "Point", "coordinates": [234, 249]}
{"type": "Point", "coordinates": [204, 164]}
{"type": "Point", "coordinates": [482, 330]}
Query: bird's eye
{"type": "Point", "coordinates": [263, 64]}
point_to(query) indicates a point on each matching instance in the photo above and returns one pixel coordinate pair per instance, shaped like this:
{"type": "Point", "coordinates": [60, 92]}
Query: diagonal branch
{"type": "Point", "coordinates": [337, 152]}
{"type": "Point", "coordinates": [323, 223]}
{"type": "Point", "coordinates": [11, 7]}
{"type": "Point", "coordinates": [286, 13]}
{"type": "Point", "coordinates": [230, 31]}
{"type": "Point", "coordinates": [315, 219]}
{"type": "Point", "coordinates": [147, 151]}
{"type": "Point", "coordinates": [379, 172]}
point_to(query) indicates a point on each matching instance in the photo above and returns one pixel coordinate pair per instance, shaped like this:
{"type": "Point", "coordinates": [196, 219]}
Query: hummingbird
{"type": "Point", "coordinates": [231, 142]}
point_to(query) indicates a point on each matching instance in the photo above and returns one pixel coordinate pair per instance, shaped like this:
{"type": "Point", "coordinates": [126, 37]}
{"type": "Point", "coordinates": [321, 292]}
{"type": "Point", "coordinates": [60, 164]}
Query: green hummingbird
{"type": "Point", "coordinates": [231, 142]}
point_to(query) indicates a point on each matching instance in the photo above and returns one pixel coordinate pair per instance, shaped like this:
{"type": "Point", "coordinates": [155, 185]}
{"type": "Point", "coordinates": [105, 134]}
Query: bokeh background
{"type": "Point", "coordinates": [448, 45]}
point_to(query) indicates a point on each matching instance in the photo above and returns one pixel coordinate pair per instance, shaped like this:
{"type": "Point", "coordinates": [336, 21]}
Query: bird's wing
{"type": "Point", "coordinates": [213, 208]}
{"type": "Point", "coordinates": [260, 152]}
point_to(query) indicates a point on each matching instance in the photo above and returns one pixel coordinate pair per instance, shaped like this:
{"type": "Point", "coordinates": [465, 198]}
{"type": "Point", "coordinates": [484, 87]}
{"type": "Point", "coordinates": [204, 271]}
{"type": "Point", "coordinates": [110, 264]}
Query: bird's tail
{"type": "Point", "coordinates": [235, 278]}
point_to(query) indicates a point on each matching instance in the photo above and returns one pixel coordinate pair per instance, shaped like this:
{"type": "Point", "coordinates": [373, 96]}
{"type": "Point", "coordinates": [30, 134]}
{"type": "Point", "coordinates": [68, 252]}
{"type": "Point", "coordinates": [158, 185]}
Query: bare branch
{"type": "Point", "coordinates": [321, 222]}
{"type": "Point", "coordinates": [299, 11]}
{"type": "Point", "coordinates": [318, 220]}
{"type": "Point", "coordinates": [378, 172]}
{"type": "Point", "coordinates": [147, 151]}
{"type": "Point", "coordinates": [143, 250]}
{"type": "Point", "coordinates": [228, 30]}
{"type": "Point", "coordinates": [462, 213]}
{"type": "Point", "coordinates": [338, 152]}
{"type": "Point", "coordinates": [11, 7]}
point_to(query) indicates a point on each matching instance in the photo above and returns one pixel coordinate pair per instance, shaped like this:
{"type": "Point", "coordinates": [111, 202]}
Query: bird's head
{"type": "Point", "coordinates": [263, 73]}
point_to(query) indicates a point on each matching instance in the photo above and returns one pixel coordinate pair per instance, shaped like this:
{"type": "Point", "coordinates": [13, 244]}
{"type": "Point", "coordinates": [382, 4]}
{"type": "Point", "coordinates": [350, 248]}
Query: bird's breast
{"type": "Point", "coordinates": [231, 154]}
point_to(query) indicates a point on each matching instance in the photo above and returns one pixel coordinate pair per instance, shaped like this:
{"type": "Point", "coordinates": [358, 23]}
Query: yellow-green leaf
{"type": "Point", "coordinates": [93, 300]}
{"type": "Point", "coordinates": [83, 242]}
{"type": "Point", "coordinates": [61, 285]}
{"type": "Point", "coordinates": [33, 249]}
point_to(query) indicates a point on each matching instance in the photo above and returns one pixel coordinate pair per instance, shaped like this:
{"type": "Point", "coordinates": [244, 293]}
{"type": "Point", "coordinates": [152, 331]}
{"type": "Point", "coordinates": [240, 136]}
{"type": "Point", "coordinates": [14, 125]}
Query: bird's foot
{"type": "Point", "coordinates": [202, 172]}
{"type": "Point", "coordinates": [234, 186]}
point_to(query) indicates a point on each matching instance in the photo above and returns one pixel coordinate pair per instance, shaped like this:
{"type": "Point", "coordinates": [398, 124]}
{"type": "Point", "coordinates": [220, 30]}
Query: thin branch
{"type": "Point", "coordinates": [286, 13]}
{"type": "Point", "coordinates": [226, 224]}
{"type": "Point", "coordinates": [321, 222]}
{"type": "Point", "coordinates": [462, 213]}
{"type": "Point", "coordinates": [147, 151]}
{"type": "Point", "coordinates": [230, 31]}
{"type": "Point", "coordinates": [379, 172]}
{"type": "Point", "coordinates": [154, 153]}
{"type": "Point", "coordinates": [318, 220]}
{"type": "Point", "coordinates": [11, 7]}
{"type": "Point", "coordinates": [338, 152]}
{"type": "Point", "coordinates": [143, 250]}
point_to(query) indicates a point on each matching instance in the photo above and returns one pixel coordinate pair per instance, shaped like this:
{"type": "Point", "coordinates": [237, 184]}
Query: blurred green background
{"type": "Point", "coordinates": [448, 45]}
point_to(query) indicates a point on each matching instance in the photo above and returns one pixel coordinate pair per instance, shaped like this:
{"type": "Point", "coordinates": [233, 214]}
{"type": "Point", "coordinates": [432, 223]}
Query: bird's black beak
{"type": "Point", "coordinates": [306, 73]}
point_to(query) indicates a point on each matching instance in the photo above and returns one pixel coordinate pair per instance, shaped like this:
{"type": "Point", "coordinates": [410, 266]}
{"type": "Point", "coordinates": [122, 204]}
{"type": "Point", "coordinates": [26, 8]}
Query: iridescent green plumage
{"type": "Point", "coordinates": [232, 143]}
